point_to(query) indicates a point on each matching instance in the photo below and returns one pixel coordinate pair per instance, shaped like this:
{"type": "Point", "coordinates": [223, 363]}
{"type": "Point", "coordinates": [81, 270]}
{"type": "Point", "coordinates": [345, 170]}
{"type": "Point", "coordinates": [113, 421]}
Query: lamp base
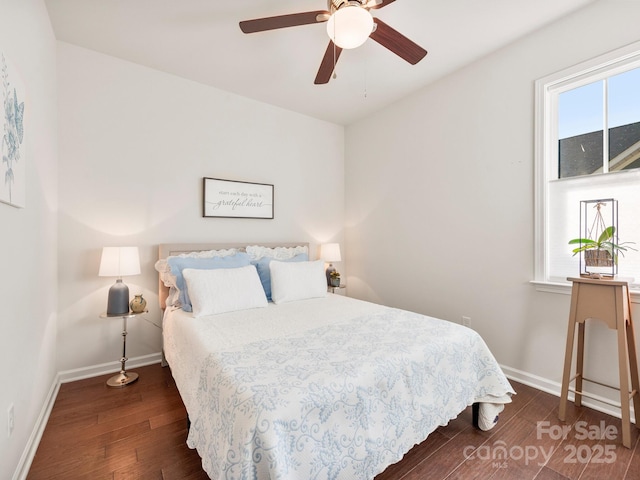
{"type": "Point", "coordinates": [330, 269]}
{"type": "Point", "coordinates": [118, 301]}
{"type": "Point", "coordinates": [122, 379]}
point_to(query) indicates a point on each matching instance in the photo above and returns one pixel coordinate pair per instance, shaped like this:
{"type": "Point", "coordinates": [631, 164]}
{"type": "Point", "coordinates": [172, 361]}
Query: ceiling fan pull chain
{"type": "Point", "coordinates": [366, 76]}
{"type": "Point", "coordinates": [334, 76]}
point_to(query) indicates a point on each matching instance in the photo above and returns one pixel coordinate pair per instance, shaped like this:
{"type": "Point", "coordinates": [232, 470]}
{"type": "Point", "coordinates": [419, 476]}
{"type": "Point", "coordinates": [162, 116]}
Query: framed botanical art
{"type": "Point", "coordinates": [234, 199]}
{"type": "Point", "coordinates": [12, 145]}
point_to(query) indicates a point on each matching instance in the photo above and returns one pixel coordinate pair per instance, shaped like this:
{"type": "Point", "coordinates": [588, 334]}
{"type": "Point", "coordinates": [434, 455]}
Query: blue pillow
{"type": "Point", "coordinates": [177, 264]}
{"type": "Point", "coordinates": [264, 273]}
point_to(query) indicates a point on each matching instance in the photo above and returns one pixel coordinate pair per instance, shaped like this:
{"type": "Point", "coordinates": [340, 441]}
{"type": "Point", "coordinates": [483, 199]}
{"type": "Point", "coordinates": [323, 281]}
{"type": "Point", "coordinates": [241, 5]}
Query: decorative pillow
{"type": "Point", "coordinates": [265, 273]}
{"type": "Point", "coordinates": [224, 290]}
{"type": "Point", "coordinates": [178, 264]}
{"type": "Point", "coordinates": [256, 252]}
{"type": "Point", "coordinates": [169, 280]}
{"type": "Point", "coordinates": [291, 281]}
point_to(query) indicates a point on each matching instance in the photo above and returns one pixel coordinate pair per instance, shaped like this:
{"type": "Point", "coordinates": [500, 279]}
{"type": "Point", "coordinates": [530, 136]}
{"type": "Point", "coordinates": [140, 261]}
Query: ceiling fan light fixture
{"type": "Point", "coordinates": [350, 26]}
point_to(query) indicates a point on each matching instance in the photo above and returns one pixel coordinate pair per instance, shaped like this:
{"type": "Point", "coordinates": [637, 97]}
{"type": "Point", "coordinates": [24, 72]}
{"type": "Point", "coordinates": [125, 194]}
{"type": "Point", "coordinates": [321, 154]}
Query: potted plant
{"type": "Point", "coordinates": [602, 252]}
{"type": "Point", "coordinates": [335, 278]}
{"type": "Point", "coordinates": [598, 242]}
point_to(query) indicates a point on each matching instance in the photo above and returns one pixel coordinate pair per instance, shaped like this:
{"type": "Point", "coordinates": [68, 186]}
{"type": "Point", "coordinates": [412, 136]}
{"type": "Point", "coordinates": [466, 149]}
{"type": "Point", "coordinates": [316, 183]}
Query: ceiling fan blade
{"type": "Point", "coordinates": [283, 21]}
{"type": "Point", "coordinates": [397, 43]}
{"type": "Point", "coordinates": [375, 4]}
{"type": "Point", "coordinates": [328, 64]}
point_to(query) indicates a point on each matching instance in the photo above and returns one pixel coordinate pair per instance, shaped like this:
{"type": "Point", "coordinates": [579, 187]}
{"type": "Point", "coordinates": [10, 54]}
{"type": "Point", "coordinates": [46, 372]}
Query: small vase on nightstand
{"type": "Point", "coordinates": [138, 304]}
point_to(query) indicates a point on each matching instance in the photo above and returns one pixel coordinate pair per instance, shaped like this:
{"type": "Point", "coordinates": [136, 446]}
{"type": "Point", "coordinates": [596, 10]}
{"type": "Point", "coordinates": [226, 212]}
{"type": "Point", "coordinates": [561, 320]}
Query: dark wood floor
{"type": "Point", "coordinates": [139, 432]}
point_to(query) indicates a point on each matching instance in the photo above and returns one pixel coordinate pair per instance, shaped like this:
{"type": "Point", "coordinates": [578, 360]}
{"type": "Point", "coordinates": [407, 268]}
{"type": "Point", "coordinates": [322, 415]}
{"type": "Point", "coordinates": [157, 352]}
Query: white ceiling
{"type": "Point", "coordinates": [200, 40]}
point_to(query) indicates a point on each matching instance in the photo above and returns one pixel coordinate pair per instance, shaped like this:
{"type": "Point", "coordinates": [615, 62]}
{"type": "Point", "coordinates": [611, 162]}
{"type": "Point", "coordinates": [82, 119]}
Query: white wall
{"type": "Point", "coordinates": [134, 146]}
{"type": "Point", "coordinates": [28, 235]}
{"type": "Point", "coordinates": [439, 202]}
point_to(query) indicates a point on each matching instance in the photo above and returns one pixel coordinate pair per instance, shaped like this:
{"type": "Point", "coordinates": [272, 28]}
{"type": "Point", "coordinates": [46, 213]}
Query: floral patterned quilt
{"type": "Point", "coordinates": [342, 401]}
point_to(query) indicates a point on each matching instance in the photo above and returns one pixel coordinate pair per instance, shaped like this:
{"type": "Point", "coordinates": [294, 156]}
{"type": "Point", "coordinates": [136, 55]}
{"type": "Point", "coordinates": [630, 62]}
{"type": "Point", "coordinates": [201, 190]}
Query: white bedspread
{"type": "Point", "coordinates": [327, 388]}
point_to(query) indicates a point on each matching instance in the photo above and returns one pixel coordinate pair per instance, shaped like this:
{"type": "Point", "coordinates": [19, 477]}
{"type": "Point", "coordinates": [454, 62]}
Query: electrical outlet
{"type": "Point", "coordinates": [466, 321]}
{"type": "Point", "coordinates": [10, 420]}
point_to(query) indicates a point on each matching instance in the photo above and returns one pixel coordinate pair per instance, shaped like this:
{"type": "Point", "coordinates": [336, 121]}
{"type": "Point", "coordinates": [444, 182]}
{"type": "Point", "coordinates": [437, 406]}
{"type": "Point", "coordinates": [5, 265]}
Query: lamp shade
{"type": "Point", "coordinates": [119, 262]}
{"type": "Point", "coordinates": [330, 252]}
{"type": "Point", "coordinates": [350, 26]}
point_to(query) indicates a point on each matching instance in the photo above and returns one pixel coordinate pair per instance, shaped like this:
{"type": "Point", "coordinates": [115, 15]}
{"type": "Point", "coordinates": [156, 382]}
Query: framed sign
{"type": "Point", "coordinates": [232, 199]}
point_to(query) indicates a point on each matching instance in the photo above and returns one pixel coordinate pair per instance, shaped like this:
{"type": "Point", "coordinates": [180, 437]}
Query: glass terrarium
{"type": "Point", "coordinates": [598, 244]}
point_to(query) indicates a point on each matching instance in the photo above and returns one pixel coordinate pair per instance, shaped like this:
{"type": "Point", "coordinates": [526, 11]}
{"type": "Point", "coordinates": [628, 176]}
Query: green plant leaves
{"type": "Point", "coordinates": [581, 240]}
{"type": "Point", "coordinates": [606, 234]}
{"type": "Point", "coordinates": [603, 243]}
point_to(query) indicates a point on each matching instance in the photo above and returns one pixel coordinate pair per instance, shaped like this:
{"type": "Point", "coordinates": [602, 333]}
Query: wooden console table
{"type": "Point", "coordinates": [607, 301]}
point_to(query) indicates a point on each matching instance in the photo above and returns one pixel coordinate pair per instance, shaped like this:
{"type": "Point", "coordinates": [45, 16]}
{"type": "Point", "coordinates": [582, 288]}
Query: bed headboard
{"type": "Point", "coordinates": [168, 249]}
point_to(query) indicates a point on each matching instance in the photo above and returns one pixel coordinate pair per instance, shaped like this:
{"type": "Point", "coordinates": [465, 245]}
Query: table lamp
{"type": "Point", "coordinates": [330, 252]}
{"type": "Point", "coordinates": [119, 262]}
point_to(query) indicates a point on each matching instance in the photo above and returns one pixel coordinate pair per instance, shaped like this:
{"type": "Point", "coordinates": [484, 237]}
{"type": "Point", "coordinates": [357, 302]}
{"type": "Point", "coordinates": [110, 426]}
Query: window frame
{"type": "Point", "coordinates": [546, 139]}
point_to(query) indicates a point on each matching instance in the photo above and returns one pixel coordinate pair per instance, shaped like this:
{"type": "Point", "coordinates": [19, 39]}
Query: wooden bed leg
{"type": "Point", "coordinates": [475, 409]}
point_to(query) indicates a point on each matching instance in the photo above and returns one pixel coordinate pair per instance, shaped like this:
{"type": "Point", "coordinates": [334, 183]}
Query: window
{"type": "Point", "coordinates": [599, 126]}
{"type": "Point", "coordinates": [587, 148]}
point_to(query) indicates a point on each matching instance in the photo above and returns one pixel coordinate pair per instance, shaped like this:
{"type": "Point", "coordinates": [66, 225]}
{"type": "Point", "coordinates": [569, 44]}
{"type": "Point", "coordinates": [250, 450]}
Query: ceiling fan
{"type": "Point", "coordinates": [349, 24]}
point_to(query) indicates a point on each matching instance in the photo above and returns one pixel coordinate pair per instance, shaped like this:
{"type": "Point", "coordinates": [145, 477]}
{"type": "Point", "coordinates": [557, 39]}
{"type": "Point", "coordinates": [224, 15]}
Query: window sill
{"type": "Point", "coordinates": [564, 288]}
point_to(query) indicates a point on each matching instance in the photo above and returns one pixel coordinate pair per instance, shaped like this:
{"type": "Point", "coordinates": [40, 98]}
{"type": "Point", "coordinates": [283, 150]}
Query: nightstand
{"type": "Point", "coordinates": [341, 290]}
{"type": "Point", "coordinates": [123, 378]}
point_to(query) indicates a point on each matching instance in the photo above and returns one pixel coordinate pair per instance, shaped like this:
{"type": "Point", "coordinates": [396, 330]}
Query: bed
{"type": "Point", "coordinates": [282, 380]}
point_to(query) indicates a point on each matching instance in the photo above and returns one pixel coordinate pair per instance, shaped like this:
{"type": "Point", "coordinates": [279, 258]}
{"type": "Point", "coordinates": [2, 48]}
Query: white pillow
{"type": "Point", "coordinates": [224, 290]}
{"type": "Point", "coordinates": [168, 279]}
{"type": "Point", "coordinates": [291, 281]}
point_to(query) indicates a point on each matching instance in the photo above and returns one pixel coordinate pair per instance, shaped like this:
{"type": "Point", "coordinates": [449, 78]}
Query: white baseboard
{"type": "Point", "coordinates": [104, 368]}
{"type": "Point", "coordinates": [30, 449]}
{"type": "Point", "coordinates": [532, 380]}
{"type": "Point", "coordinates": [34, 439]}
{"type": "Point", "coordinates": [554, 388]}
